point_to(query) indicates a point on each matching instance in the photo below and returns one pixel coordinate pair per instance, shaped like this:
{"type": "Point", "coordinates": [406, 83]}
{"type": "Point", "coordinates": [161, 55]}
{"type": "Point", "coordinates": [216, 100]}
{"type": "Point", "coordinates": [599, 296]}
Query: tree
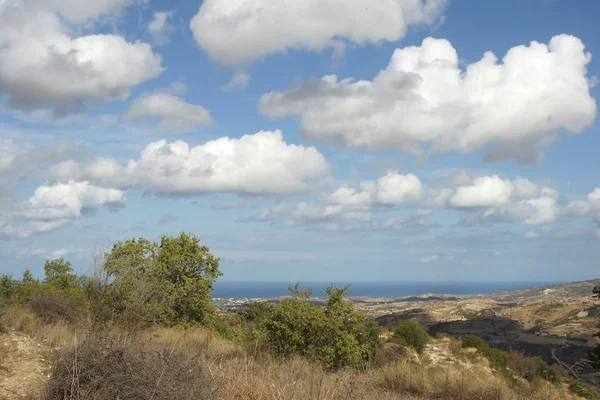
{"type": "Point", "coordinates": [410, 333]}
{"type": "Point", "coordinates": [59, 274]}
{"type": "Point", "coordinates": [29, 286]}
{"type": "Point", "coordinates": [170, 281]}
{"type": "Point", "coordinates": [8, 290]}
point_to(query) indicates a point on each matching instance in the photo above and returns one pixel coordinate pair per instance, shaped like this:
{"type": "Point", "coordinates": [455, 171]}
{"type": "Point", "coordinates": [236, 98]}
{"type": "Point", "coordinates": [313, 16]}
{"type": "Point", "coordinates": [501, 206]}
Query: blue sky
{"type": "Point", "coordinates": [319, 140]}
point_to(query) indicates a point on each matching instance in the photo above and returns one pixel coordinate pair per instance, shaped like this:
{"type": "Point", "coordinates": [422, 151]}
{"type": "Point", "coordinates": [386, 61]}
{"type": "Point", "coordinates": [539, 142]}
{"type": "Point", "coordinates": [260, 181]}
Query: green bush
{"type": "Point", "coordinates": [584, 390]}
{"type": "Point", "coordinates": [337, 335]}
{"type": "Point", "coordinates": [498, 358]}
{"type": "Point", "coordinates": [410, 333]}
{"type": "Point", "coordinates": [28, 288]}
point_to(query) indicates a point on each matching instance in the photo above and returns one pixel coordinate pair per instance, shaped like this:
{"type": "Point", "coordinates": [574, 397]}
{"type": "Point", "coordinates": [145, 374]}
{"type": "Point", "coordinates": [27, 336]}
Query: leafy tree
{"type": "Point", "coordinates": [8, 290]}
{"type": "Point", "coordinates": [59, 275]}
{"type": "Point", "coordinates": [170, 281]}
{"type": "Point", "coordinates": [410, 333]}
{"type": "Point", "coordinates": [60, 278]}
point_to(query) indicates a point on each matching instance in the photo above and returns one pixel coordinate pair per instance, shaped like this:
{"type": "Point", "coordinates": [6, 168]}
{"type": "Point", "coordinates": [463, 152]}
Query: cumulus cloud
{"type": "Point", "coordinates": [237, 32]}
{"type": "Point", "coordinates": [238, 81]}
{"type": "Point", "coordinates": [423, 101]}
{"type": "Point", "coordinates": [42, 64]}
{"type": "Point", "coordinates": [590, 207]}
{"type": "Point", "coordinates": [172, 112]}
{"type": "Point", "coordinates": [259, 164]}
{"type": "Point", "coordinates": [493, 199]}
{"type": "Point", "coordinates": [160, 27]}
{"type": "Point", "coordinates": [69, 200]}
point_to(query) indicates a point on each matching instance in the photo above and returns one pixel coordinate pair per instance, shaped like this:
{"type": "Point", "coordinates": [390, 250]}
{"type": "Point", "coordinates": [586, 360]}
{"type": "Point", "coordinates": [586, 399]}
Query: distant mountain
{"type": "Point", "coordinates": [564, 291]}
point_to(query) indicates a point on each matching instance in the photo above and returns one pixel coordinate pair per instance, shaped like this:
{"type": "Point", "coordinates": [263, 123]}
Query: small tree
{"type": "Point", "coordinates": [59, 275]}
{"type": "Point", "coordinates": [8, 290]}
{"type": "Point", "coordinates": [410, 333]}
{"type": "Point", "coordinates": [29, 286]}
{"type": "Point", "coordinates": [60, 278]}
{"type": "Point", "coordinates": [170, 281]}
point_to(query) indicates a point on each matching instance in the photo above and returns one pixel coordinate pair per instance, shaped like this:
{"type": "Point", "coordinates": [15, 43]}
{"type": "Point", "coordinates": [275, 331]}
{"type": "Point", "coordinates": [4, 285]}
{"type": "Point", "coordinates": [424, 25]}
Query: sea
{"type": "Point", "coordinates": [258, 290]}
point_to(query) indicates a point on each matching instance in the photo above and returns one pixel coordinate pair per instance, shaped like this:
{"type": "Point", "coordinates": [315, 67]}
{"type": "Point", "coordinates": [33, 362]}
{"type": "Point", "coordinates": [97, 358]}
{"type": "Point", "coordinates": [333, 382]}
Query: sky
{"type": "Point", "coordinates": [322, 140]}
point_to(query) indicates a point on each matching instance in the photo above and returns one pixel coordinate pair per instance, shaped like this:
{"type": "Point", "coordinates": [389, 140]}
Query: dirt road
{"type": "Point", "coordinates": [568, 367]}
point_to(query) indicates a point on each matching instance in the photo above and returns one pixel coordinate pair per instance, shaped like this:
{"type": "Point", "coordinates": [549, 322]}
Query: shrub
{"type": "Point", "coordinates": [337, 335]}
{"type": "Point", "coordinates": [475, 342]}
{"type": "Point", "coordinates": [104, 368]}
{"type": "Point", "coordinates": [53, 307]}
{"type": "Point", "coordinates": [584, 390]}
{"type": "Point", "coordinates": [497, 357]}
{"type": "Point", "coordinates": [410, 333]}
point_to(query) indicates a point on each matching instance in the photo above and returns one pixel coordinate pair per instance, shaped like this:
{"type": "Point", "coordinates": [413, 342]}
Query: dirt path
{"type": "Point", "coordinates": [568, 367]}
{"type": "Point", "coordinates": [24, 367]}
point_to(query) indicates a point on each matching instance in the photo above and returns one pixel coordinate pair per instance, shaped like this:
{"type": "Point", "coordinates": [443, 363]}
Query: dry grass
{"type": "Point", "coordinates": [179, 363]}
{"type": "Point", "coordinates": [53, 335]}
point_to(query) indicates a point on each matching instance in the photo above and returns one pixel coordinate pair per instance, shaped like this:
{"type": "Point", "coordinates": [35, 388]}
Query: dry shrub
{"type": "Point", "coordinates": [447, 383]}
{"type": "Point", "coordinates": [393, 352]}
{"type": "Point", "coordinates": [107, 367]}
{"type": "Point", "coordinates": [54, 307]}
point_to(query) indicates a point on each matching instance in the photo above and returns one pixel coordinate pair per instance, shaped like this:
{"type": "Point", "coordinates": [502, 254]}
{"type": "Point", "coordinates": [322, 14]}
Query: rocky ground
{"type": "Point", "coordinates": [24, 366]}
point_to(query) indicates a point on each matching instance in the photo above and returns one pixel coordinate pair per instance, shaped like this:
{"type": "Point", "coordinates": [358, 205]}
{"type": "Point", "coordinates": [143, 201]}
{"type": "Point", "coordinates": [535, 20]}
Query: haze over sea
{"type": "Point", "coordinates": [233, 289]}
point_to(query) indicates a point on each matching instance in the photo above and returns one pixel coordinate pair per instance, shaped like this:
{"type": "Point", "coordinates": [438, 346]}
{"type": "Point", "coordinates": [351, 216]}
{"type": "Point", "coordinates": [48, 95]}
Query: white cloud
{"type": "Point", "coordinates": [259, 164]}
{"type": "Point", "coordinates": [391, 189]}
{"type": "Point", "coordinates": [160, 27]}
{"type": "Point", "coordinates": [69, 200]}
{"type": "Point", "coordinates": [42, 64]}
{"type": "Point", "coordinates": [493, 199]}
{"type": "Point", "coordinates": [487, 191]}
{"type": "Point", "coordinates": [590, 207]}
{"type": "Point", "coordinates": [486, 200]}
{"type": "Point", "coordinates": [237, 32]}
{"type": "Point", "coordinates": [429, 259]}
{"type": "Point", "coordinates": [172, 112]}
{"type": "Point", "coordinates": [8, 231]}
{"type": "Point", "coordinates": [238, 81]}
{"type": "Point", "coordinates": [423, 101]}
